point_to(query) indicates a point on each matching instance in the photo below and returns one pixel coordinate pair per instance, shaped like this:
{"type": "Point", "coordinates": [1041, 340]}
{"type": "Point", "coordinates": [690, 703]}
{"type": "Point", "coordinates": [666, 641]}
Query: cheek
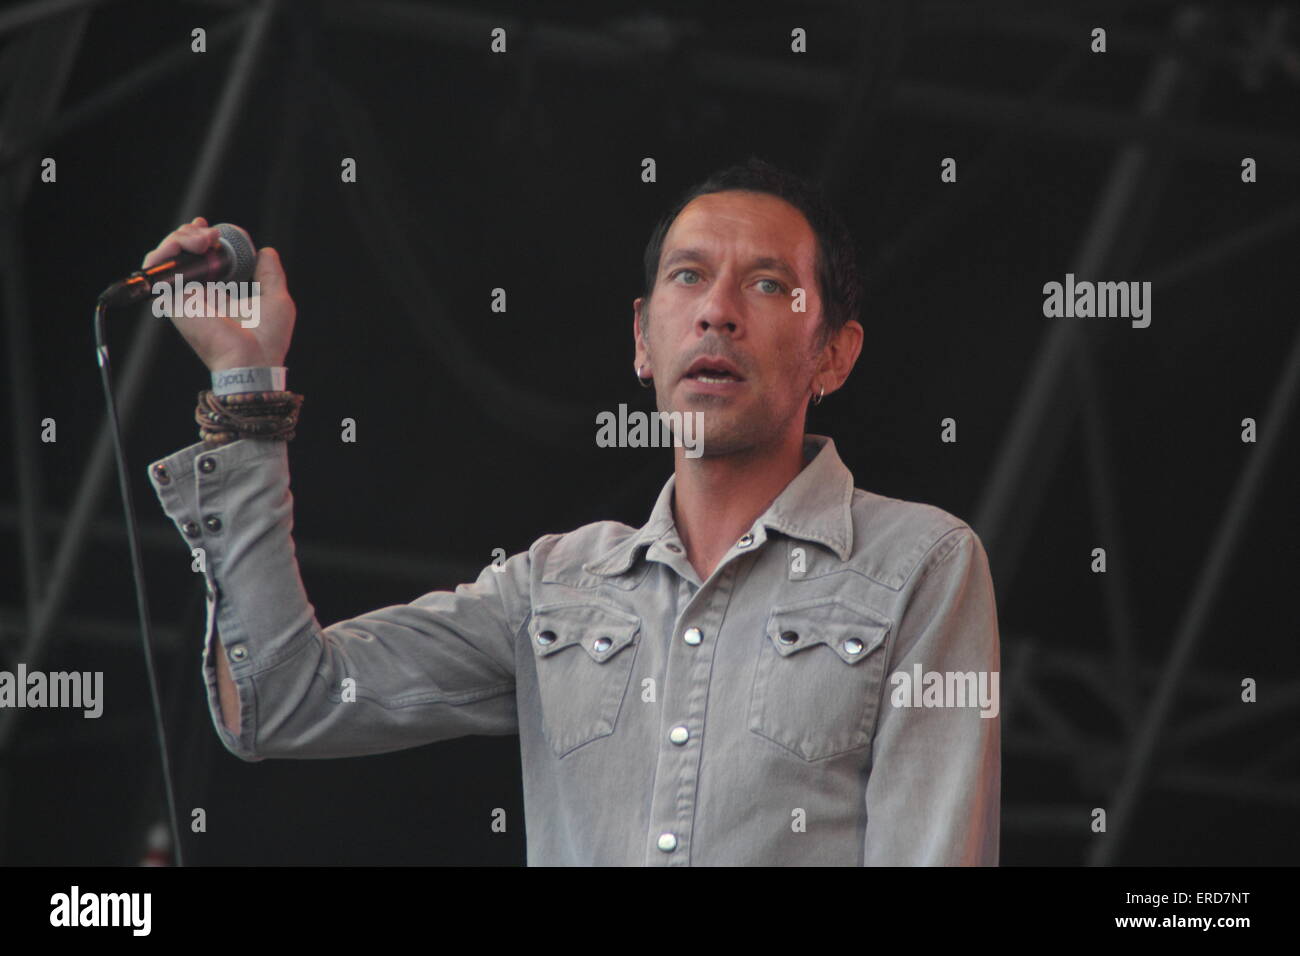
{"type": "Point", "coordinates": [661, 349]}
{"type": "Point", "coordinates": [794, 354]}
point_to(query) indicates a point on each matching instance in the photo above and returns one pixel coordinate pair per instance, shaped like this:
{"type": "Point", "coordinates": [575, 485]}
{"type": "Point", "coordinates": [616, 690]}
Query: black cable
{"type": "Point", "coordinates": [137, 570]}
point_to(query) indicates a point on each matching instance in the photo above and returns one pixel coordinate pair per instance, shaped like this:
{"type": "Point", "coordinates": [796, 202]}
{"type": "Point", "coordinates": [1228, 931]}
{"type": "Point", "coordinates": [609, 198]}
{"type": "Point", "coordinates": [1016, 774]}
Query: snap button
{"type": "Point", "coordinates": [675, 549]}
{"type": "Point", "coordinates": [693, 636]}
{"type": "Point", "coordinates": [238, 653]}
{"type": "Point", "coordinates": [545, 637]}
{"type": "Point", "coordinates": [207, 463]}
{"type": "Point", "coordinates": [679, 735]}
{"type": "Point", "coordinates": [853, 646]}
{"type": "Point", "coordinates": [212, 523]}
{"type": "Point", "coordinates": [191, 529]}
{"type": "Point", "coordinates": [160, 474]}
{"type": "Point", "coordinates": [602, 645]}
{"type": "Point", "coordinates": [745, 541]}
{"type": "Point", "coordinates": [667, 842]}
{"type": "Point", "coordinates": [789, 637]}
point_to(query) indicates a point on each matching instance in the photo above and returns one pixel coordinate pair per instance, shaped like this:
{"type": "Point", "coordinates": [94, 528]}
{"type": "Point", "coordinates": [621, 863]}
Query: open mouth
{"type": "Point", "coordinates": [713, 371]}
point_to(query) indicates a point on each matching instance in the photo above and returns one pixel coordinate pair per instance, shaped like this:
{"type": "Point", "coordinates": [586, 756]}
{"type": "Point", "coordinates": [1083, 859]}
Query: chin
{"type": "Point", "coordinates": [729, 427]}
{"type": "Point", "coordinates": [725, 435]}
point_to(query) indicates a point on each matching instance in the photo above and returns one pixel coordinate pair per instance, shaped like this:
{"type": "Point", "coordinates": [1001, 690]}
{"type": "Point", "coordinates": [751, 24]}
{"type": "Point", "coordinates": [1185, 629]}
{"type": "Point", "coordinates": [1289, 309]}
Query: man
{"type": "Point", "coordinates": [732, 683]}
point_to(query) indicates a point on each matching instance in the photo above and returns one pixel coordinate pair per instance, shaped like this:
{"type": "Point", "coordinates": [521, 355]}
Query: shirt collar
{"type": "Point", "coordinates": [815, 506]}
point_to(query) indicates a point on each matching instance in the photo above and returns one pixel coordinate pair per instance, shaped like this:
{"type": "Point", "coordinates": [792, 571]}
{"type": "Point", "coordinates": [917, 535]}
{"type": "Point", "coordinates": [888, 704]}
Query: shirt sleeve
{"type": "Point", "coordinates": [401, 676]}
{"type": "Point", "coordinates": [934, 791]}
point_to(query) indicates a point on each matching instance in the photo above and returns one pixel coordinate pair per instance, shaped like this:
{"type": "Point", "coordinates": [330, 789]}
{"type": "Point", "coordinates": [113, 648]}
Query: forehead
{"type": "Point", "coordinates": [747, 224]}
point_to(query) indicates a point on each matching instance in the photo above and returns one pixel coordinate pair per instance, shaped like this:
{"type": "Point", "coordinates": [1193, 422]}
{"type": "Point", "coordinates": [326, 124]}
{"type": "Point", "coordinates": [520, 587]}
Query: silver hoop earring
{"type": "Point", "coordinates": [817, 399]}
{"type": "Point", "coordinates": [643, 382]}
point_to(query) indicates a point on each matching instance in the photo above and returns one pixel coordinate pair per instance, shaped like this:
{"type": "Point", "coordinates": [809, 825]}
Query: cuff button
{"type": "Point", "coordinates": [191, 529]}
{"type": "Point", "coordinates": [160, 475]}
{"type": "Point", "coordinates": [212, 523]}
{"type": "Point", "coordinates": [207, 464]}
{"type": "Point", "coordinates": [238, 653]}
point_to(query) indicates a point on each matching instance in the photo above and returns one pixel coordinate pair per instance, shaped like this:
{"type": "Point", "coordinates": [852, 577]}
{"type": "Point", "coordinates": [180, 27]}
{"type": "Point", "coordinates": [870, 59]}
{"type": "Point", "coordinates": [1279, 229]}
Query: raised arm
{"type": "Point", "coordinates": [278, 683]}
{"type": "Point", "coordinates": [439, 667]}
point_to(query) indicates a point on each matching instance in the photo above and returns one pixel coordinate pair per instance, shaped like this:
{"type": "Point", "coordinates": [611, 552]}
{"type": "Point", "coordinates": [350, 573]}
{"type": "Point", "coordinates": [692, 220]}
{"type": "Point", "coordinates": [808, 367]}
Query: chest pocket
{"type": "Point", "coordinates": [584, 655]}
{"type": "Point", "coordinates": [817, 681]}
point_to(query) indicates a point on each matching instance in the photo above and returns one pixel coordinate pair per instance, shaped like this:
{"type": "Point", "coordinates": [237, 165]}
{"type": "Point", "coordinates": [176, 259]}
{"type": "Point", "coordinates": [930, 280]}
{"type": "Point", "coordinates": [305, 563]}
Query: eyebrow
{"type": "Point", "coordinates": [761, 262]}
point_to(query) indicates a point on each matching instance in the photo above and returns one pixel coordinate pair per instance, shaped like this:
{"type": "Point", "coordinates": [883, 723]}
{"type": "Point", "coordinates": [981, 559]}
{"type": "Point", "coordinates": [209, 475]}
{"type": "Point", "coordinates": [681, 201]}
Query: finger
{"type": "Point", "coordinates": [164, 250]}
{"type": "Point", "coordinates": [188, 238]}
{"type": "Point", "coordinates": [268, 272]}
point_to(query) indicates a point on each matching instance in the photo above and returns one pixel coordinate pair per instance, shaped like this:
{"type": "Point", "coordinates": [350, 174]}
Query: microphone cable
{"type": "Point", "coordinates": [137, 570]}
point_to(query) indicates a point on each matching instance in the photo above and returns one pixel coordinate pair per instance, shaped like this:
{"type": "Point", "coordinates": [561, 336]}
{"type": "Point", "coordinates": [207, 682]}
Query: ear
{"type": "Point", "coordinates": [838, 357]}
{"type": "Point", "coordinates": [638, 335]}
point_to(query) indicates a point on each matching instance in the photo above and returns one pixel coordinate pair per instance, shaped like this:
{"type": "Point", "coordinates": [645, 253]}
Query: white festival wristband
{"type": "Point", "coordinates": [230, 381]}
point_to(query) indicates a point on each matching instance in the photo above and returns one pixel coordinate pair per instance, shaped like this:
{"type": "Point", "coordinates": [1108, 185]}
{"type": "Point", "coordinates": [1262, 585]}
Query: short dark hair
{"type": "Point", "coordinates": [836, 261]}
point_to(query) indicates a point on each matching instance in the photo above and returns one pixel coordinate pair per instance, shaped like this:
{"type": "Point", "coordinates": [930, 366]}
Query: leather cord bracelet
{"type": "Point", "coordinates": [268, 415]}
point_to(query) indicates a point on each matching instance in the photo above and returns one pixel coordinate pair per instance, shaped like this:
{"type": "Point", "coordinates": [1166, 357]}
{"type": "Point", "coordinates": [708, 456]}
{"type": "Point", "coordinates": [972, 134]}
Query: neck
{"type": "Point", "coordinates": [716, 500]}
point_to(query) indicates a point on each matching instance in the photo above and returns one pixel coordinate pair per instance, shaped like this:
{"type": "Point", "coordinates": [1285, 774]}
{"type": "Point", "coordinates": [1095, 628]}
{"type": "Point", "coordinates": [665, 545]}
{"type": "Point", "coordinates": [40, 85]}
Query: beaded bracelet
{"type": "Point", "coordinates": [267, 415]}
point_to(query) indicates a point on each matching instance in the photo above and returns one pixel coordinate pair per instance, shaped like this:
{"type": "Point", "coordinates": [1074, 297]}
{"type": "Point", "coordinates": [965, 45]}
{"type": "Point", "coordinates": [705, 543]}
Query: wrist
{"type": "Point", "coordinates": [249, 378]}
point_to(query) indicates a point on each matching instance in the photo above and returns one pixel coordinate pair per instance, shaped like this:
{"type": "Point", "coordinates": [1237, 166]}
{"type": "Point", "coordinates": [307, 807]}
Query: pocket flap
{"type": "Point", "coordinates": [851, 631]}
{"type": "Point", "coordinates": [601, 631]}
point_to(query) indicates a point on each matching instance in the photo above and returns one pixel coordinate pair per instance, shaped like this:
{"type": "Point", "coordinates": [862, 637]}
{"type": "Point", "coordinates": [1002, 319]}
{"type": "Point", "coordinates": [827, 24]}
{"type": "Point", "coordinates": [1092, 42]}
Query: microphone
{"type": "Point", "coordinates": [231, 260]}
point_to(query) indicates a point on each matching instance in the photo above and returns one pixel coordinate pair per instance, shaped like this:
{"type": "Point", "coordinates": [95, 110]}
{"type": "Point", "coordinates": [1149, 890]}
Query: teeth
{"type": "Point", "coordinates": [703, 377]}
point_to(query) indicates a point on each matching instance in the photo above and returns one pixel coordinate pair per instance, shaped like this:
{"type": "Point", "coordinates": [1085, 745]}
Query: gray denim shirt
{"type": "Point", "coordinates": [781, 712]}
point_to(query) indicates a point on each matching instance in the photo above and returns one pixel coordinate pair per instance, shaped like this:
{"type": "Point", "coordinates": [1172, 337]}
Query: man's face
{"type": "Point", "coordinates": [719, 335]}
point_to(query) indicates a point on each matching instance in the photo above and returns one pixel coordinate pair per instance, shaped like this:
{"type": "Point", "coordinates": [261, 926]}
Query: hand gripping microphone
{"type": "Point", "coordinates": [231, 260]}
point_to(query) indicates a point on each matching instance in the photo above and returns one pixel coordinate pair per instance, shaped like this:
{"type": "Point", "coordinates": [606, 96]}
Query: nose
{"type": "Point", "coordinates": [721, 310]}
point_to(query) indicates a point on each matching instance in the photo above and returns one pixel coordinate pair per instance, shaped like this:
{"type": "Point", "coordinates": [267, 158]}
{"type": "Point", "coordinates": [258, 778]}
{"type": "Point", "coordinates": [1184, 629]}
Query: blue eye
{"type": "Point", "coordinates": [674, 275]}
{"type": "Point", "coordinates": [778, 285]}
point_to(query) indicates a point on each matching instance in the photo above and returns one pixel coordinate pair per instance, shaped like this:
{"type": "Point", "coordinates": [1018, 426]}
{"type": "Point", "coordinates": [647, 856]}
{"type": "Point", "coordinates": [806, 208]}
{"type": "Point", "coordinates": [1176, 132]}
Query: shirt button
{"type": "Point", "coordinates": [207, 464]}
{"type": "Point", "coordinates": [745, 541]}
{"type": "Point", "coordinates": [602, 644]}
{"type": "Point", "coordinates": [160, 474]}
{"type": "Point", "coordinates": [679, 735]}
{"type": "Point", "coordinates": [212, 523]}
{"type": "Point", "coordinates": [789, 637]}
{"type": "Point", "coordinates": [238, 653]}
{"type": "Point", "coordinates": [667, 842]}
{"type": "Point", "coordinates": [675, 549]}
{"type": "Point", "coordinates": [693, 636]}
{"type": "Point", "coordinates": [545, 637]}
{"type": "Point", "coordinates": [191, 529]}
{"type": "Point", "coordinates": [853, 646]}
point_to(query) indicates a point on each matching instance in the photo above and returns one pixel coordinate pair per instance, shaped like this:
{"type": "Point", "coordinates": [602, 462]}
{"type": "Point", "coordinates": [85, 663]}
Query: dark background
{"type": "Point", "coordinates": [476, 430]}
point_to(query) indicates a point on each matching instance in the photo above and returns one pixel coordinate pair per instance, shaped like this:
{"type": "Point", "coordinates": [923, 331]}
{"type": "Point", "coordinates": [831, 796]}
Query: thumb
{"type": "Point", "coordinates": [268, 272]}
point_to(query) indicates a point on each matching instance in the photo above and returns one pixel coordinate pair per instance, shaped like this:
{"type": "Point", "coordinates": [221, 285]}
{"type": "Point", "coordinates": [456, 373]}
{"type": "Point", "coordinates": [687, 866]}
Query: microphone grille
{"type": "Point", "coordinates": [243, 254]}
